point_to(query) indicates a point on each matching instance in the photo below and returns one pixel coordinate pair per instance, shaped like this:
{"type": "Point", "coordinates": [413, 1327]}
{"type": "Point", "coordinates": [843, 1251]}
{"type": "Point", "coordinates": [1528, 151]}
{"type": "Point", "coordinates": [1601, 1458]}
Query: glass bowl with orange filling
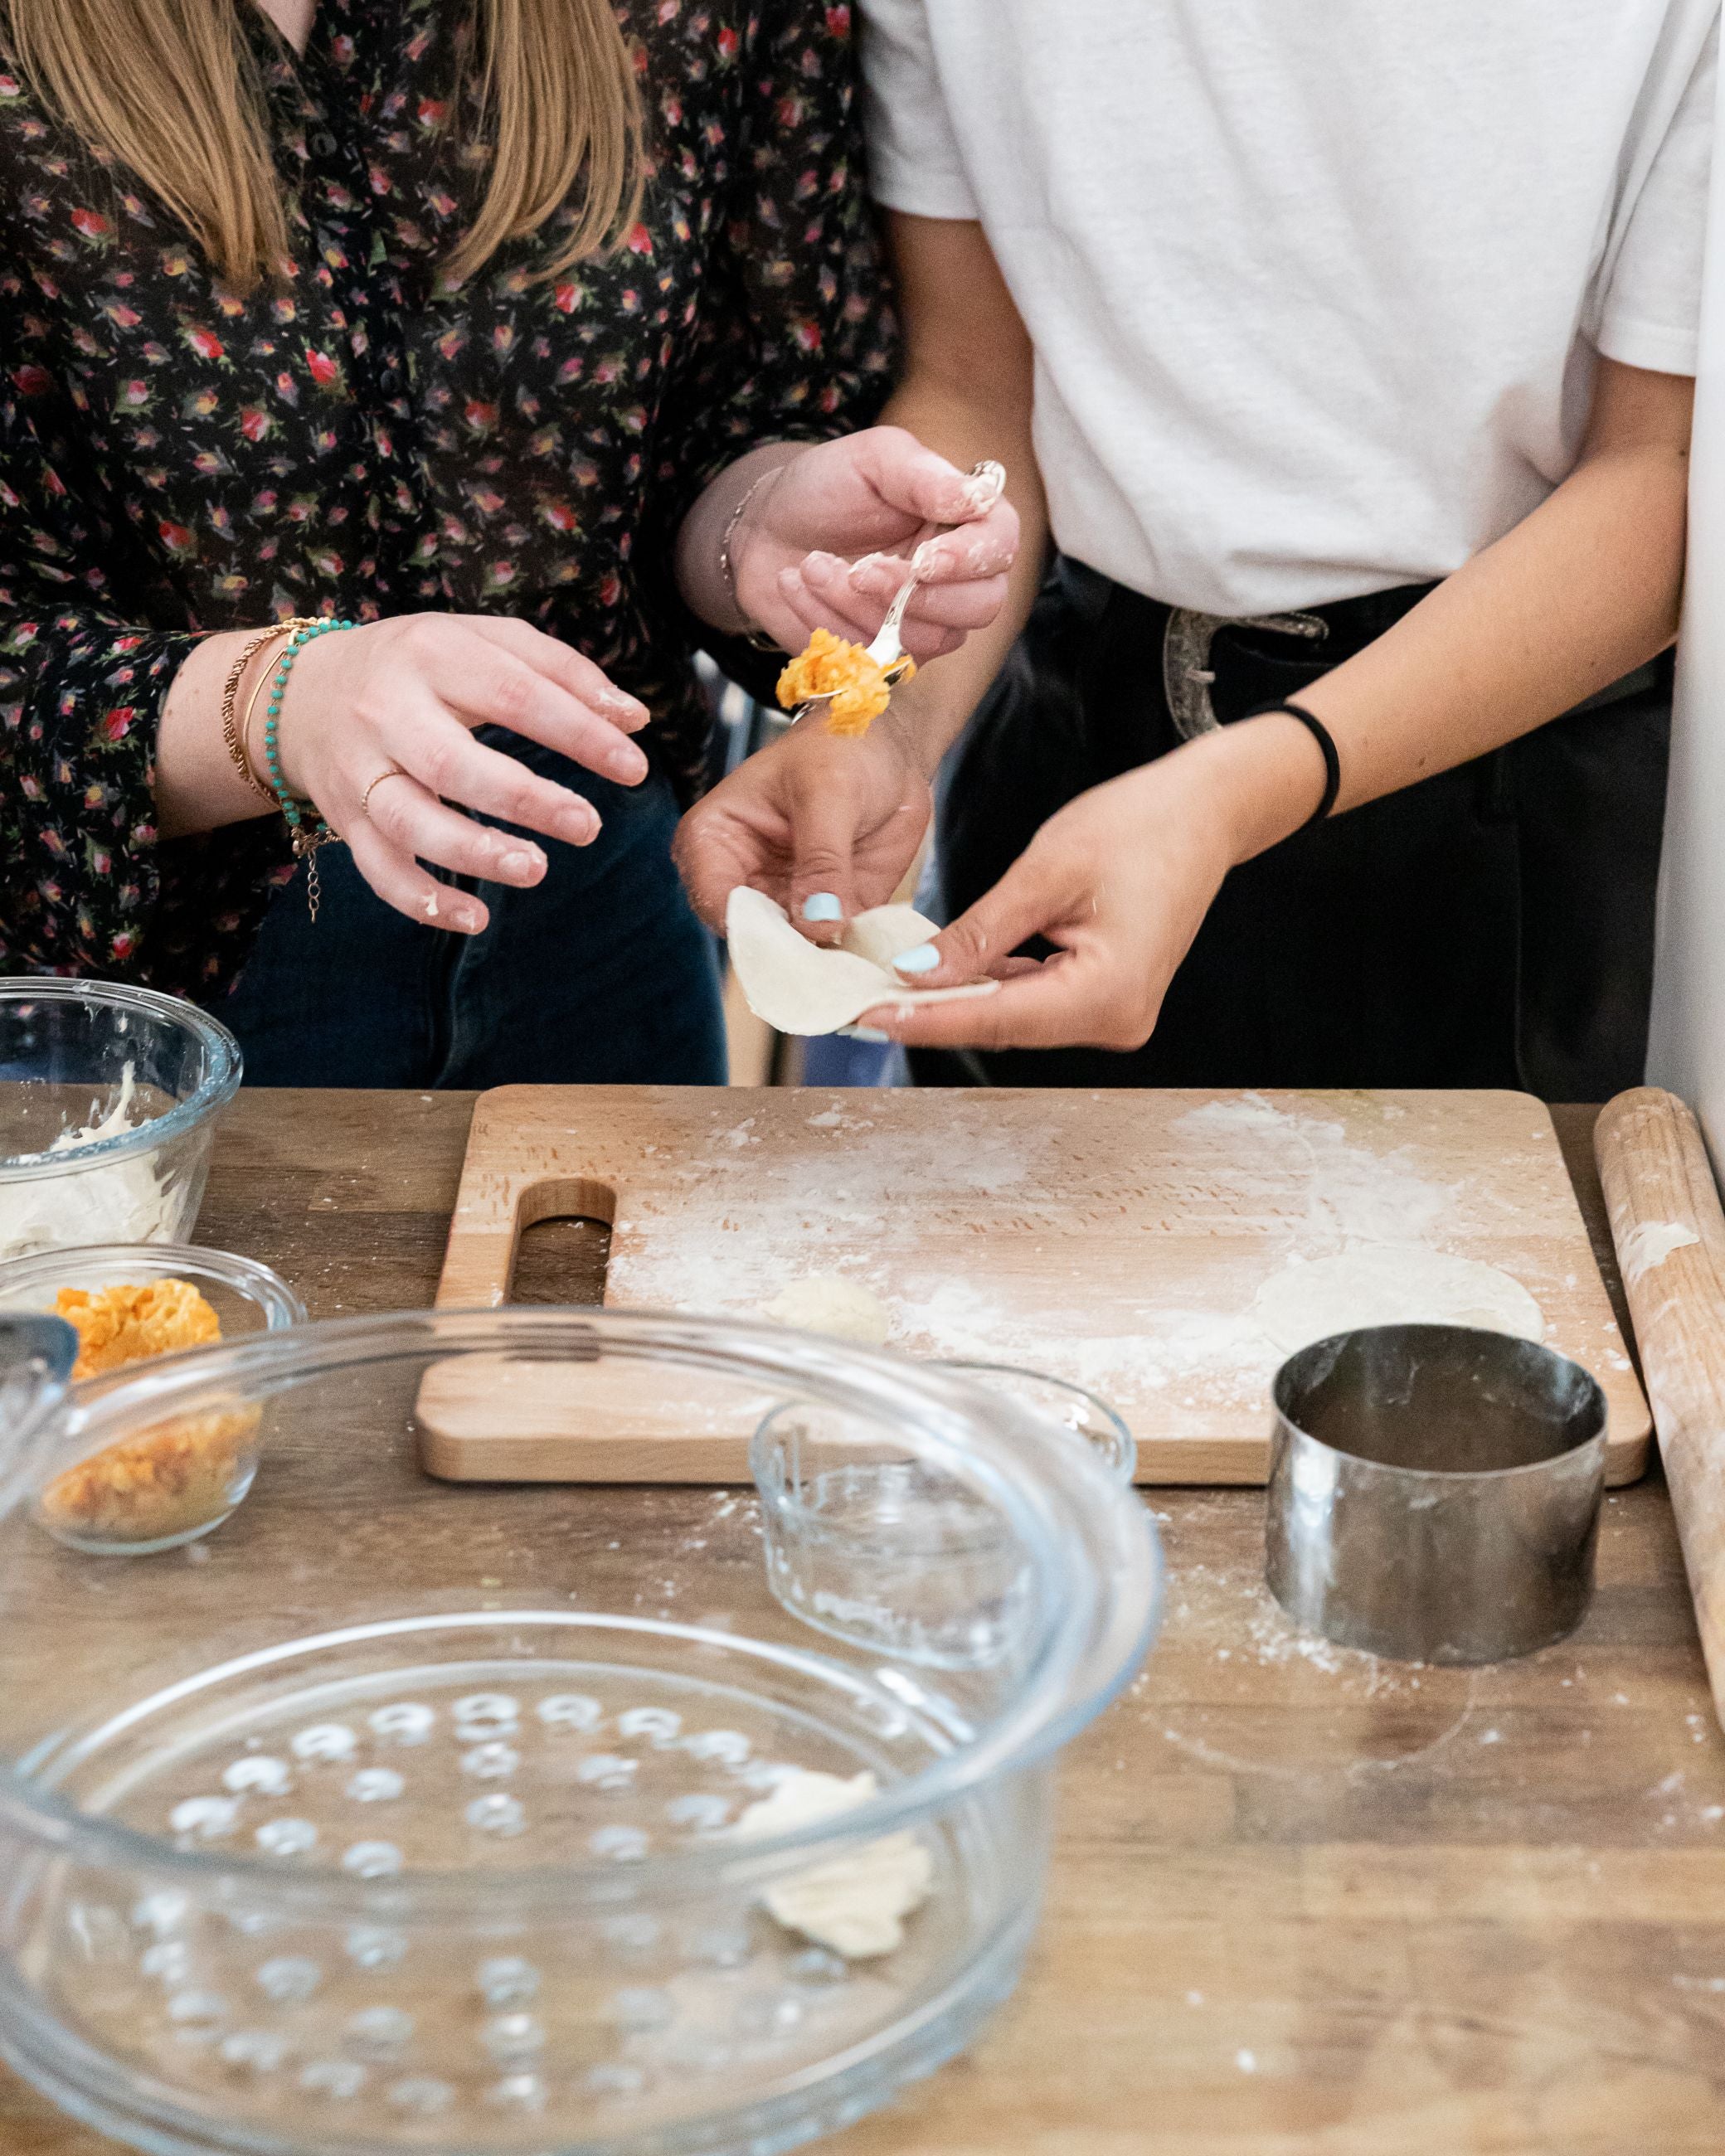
{"type": "Point", "coordinates": [174, 1481]}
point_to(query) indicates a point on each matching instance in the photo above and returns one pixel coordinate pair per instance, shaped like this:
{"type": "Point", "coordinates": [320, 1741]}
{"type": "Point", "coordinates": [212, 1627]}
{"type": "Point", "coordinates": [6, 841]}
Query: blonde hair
{"type": "Point", "coordinates": [171, 89]}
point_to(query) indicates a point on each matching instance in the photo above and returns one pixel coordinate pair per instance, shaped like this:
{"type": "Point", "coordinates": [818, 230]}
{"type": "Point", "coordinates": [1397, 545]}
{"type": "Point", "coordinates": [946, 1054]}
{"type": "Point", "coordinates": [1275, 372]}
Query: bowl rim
{"type": "Point", "coordinates": [1092, 1644]}
{"type": "Point", "coordinates": [1126, 1444]}
{"type": "Point", "coordinates": [221, 1081]}
{"type": "Point", "coordinates": [259, 1283]}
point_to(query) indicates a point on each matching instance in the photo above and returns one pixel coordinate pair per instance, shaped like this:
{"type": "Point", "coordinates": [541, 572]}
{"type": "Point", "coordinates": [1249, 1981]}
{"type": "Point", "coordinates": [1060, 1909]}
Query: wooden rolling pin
{"type": "Point", "coordinates": [1670, 1233]}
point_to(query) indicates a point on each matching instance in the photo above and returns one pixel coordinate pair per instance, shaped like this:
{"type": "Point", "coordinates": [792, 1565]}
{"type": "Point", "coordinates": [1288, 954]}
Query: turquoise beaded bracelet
{"type": "Point", "coordinates": [307, 835]}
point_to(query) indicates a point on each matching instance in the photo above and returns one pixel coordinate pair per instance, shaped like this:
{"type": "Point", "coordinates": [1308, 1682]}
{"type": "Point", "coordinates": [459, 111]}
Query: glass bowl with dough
{"type": "Point", "coordinates": [109, 1097]}
{"type": "Point", "coordinates": [402, 1816]}
{"type": "Point", "coordinates": [129, 1303]}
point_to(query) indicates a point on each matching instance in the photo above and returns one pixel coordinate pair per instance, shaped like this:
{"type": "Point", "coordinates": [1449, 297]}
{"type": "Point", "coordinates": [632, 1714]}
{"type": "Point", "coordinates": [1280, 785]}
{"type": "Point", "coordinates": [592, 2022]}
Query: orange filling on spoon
{"type": "Point", "coordinates": [844, 673]}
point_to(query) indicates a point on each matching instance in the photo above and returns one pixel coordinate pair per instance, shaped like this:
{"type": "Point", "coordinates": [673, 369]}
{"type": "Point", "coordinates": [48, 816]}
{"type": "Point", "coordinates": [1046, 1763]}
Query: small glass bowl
{"type": "Point", "coordinates": [875, 1546]}
{"type": "Point", "coordinates": [71, 1053]}
{"type": "Point", "coordinates": [1069, 1406]}
{"type": "Point", "coordinates": [882, 1550]}
{"type": "Point", "coordinates": [179, 1481]}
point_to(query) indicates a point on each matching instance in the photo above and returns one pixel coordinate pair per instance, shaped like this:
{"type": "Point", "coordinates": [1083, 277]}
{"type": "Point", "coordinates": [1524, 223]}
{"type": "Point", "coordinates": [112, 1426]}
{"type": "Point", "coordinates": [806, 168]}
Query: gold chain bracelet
{"type": "Point", "coordinates": [233, 730]}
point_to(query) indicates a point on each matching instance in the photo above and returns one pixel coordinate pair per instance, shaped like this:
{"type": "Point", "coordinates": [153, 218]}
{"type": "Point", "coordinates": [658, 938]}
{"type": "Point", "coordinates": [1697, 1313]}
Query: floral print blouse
{"type": "Point", "coordinates": [358, 442]}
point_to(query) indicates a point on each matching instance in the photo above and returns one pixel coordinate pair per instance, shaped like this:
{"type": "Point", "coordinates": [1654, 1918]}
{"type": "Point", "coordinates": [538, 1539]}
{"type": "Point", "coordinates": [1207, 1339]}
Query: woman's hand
{"type": "Point", "coordinates": [403, 696]}
{"type": "Point", "coordinates": [1119, 880]}
{"type": "Point", "coordinates": [811, 817]}
{"type": "Point", "coordinates": [826, 539]}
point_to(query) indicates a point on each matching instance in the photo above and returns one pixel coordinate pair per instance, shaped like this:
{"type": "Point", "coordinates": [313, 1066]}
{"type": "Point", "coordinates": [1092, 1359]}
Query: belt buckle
{"type": "Point", "coordinates": [1186, 671]}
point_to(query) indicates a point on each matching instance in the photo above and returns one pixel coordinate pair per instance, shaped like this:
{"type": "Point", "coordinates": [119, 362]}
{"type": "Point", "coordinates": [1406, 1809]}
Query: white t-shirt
{"type": "Point", "coordinates": [1316, 285]}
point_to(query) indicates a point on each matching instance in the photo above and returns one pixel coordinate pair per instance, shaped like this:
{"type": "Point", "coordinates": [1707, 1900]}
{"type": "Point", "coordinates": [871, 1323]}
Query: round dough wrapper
{"type": "Point", "coordinates": [1389, 1284]}
{"type": "Point", "coordinates": [800, 988]}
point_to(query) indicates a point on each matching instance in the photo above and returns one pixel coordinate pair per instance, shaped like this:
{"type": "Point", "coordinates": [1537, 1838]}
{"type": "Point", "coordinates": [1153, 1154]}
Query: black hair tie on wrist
{"type": "Point", "coordinates": [1322, 734]}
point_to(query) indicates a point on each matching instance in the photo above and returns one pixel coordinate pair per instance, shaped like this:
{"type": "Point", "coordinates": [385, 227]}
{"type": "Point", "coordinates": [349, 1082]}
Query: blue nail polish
{"type": "Point", "coordinates": [822, 905]}
{"type": "Point", "coordinates": [868, 1033]}
{"type": "Point", "coordinates": [922, 960]}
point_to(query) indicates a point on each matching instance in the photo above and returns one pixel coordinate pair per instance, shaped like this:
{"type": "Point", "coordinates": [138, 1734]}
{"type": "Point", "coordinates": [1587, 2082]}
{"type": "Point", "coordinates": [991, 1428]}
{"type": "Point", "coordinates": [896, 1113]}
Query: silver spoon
{"type": "Point", "coordinates": [887, 651]}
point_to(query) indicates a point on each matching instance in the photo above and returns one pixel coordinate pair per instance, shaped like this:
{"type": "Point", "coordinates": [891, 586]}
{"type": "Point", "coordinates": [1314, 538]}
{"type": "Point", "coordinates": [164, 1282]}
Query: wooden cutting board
{"type": "Point", "coordinates": [1117, 1240]}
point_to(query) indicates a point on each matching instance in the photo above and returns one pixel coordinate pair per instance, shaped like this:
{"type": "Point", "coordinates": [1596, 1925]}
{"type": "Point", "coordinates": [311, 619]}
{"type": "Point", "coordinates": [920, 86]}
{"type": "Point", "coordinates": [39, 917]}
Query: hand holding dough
{"type": "Point", "coordinates": [797, 987]}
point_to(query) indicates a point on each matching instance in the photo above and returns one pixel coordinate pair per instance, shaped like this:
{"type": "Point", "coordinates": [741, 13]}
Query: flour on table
{"type": "Point", "coordinates": [799, 988]}
{"type": "Point", "coordinates": [827, 1302]}
{"type": "Point", "coordinates": [1386, 1284]}
{"type": "Point", "coordinates": [886, 1199]}
{"type": "Point", "coordinates": [855, 1904]}
{"type": "Point", "coordinates": [1649, 1243]}
{"type": "Point", "coordinates": [1251, 1111]}
{"type": "Point", "coordinates": [1352, 1194]}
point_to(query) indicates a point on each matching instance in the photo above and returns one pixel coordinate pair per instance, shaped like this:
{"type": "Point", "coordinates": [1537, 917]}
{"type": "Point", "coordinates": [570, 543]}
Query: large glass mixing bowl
{"type": "Point", "coordinates": [402, 1815]}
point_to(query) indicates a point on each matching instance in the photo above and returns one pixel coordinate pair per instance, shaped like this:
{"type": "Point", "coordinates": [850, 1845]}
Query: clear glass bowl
{"type": "Point", "coordinates": [893, 1552]}
{"type": "Point", "coordinates": [75, 1055]}
{"type": "Point", "coordinates": [174, 1483]}
{"type": "Point", "coordinates": [402, 1815]}
{"type": "Point", "coordinates": [886, 1551]}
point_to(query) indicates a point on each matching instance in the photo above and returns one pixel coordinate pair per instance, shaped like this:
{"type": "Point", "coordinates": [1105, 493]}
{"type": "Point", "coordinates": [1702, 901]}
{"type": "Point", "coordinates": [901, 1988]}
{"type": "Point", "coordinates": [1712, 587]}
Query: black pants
{"type": "Point", "coordinates": [1491, 926]}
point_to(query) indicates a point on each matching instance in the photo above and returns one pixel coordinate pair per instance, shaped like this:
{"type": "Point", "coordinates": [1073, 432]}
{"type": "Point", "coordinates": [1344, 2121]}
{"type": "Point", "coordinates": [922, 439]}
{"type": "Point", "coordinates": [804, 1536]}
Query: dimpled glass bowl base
{"type": "Point", "coordinates": [448, 1864]}
{"type": "Point", "coordinates": [379, 1754]}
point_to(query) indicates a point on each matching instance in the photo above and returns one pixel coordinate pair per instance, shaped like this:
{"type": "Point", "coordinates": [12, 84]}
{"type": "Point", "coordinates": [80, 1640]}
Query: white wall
{"type": "Point", "coordinates": [1687, 1050]}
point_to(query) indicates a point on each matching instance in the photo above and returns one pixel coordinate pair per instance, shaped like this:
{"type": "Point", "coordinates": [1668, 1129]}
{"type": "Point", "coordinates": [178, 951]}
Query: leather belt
{"type": "Point", "coordinates": [1187, 673]}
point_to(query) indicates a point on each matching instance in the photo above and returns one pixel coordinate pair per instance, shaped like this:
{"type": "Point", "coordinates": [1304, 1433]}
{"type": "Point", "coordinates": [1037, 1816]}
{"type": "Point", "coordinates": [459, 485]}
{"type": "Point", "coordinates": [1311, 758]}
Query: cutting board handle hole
{"type": "Point", "coordinates": [563, 1242]}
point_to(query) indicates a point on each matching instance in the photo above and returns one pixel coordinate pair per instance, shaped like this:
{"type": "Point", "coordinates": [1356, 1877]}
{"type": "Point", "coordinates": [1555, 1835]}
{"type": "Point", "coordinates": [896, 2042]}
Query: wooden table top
{"type": "Point", "coordinates": [1303, 1903]}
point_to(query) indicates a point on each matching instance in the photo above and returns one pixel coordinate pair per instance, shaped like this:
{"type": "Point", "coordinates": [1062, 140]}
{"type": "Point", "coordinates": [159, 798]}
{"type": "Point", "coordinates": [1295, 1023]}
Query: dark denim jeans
{"type": "Point", "coordinates": [1492, 926]}
{"type": "Point", "coordinates": [601, 975]}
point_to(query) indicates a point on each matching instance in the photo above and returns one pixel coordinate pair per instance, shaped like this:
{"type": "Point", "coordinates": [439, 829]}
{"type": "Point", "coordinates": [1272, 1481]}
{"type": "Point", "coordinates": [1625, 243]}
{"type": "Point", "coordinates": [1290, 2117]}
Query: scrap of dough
{"type": "Point", "coordinates": [116, 1123]}
{"type": "Point", "coordinates": [1392, 1285]}
{"type": "Point", "coordinates": [855, 1904]}
{"type": "Point", "coordinates": [824, 1302]}
{"type": "Point", "coordinates": [798, 987]}
{"type": "Point", "coordinates": [1649, 1243]}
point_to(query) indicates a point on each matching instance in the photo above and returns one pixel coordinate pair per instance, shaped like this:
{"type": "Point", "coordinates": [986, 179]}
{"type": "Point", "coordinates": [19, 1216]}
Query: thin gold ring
{"type": "Point", "coordinates": [394, 771]}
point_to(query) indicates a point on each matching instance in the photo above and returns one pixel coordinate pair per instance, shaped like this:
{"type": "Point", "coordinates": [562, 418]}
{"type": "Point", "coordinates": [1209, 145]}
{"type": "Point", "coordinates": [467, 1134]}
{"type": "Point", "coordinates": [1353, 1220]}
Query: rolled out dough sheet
{"type": "Point", "coordinates": [1386, 1284]}
{"type": "Point", "coordinates": [797, 987]}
